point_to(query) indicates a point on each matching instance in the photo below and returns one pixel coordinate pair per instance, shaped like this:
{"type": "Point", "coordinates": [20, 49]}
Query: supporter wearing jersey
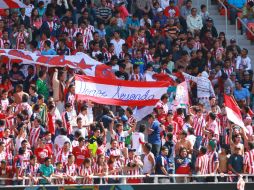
{"type": "Point", "coordinates": [86, 171]}
{"type": "Point", "coordinates": [32, 170]}
{"type": "Point", "coordinates": [36, 132]}
{"type": "Point", "coordinates": [60, 140]}
{"type": "Point", "coordinates": [133, 166]}
{"type": "Point", "coordinates": [154, 130]}
{"type": "Point", "coordinates": [138, 139]}
{"type": "Point", "coordinates": [162, 165]}
{"type": "Point", "coordinates": [120, 135]}
{"type": "Point", "coordinates": [5, 172]}
{"type": "Point", "coordinates": [213, 161]}
{"type": "Point", "coordinates": [182, 164]}
{"type": "Point", "coordinates": [71, 170]}
{"type": "Point", "coordinates": [3, 154]}
{"type": "Point", "coordinates": [201, 163]}
{"type": "Point", "coordinates": [42, 151]}
{"type": "Point", "coordinates": [19, 166]}
{"type": "Point", "coordinates": [80, 152]}
{"type": "Point", "coordinates": [249, 159]}
{"type": "Point", "coordinates": [62, 156]}
{"type": "Point", "coordinates": [100, 168]}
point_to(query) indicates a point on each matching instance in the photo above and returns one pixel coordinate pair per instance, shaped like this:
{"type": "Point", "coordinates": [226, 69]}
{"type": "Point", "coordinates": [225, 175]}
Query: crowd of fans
{"type": "Point", "coordinates": [45, 132]}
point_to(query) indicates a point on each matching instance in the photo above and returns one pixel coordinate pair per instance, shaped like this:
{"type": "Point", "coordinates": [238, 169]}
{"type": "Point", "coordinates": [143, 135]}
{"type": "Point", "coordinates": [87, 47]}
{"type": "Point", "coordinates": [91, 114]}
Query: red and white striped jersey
{"type": "Point", "coordinates": [100, 168]}
{"type": "Point", "coordinates": [121, 55]}
{"type": "Point", "coordinates": [67, 118]}
{"type": "Point", "coordinates": [228, 71]}
{"type": "Point", "coordinates": [84, 172]}
{"type": "Point", "coordinates": [26, 157]}
{"type": "Point", "coordinates": [202, 164]}
{"type": "Point", "coordinates": [9, 123]}
{"type": "Point", "coordinates": [198, 125]}
{"type": "Point", "coordinates": [135, 171]}
{"type": "Point", "coordinates": [33, 170]}
{"type": "Point", "coordinates": [8, 142]}
{"type": "Point", "coordinates": [63, 156]}
{"type": "Point", "coordinates": [20, 37]}
{"type": "Point", "coordinates": [197, 45]}
{"type": "Point", "coordinates": [3, 156]}
{"type": "Point", "coordinates": [108, 55]}
{"type": "Point", "coordinates": [71, 170]}
{"type": "Point", "coordinates": [212, 160]}
{"type": "Point", "coordinates": [91, 28]}
{"type": "Point", "coordinates": [42, 42]}
{"type": "Point", "coordinates": [34, 134]}
{"type": "Point", "coordinates": [116, 165]}
{"type": "Point", "coordinates": [87, 36]}
{"type": "Point", "coordinates": [249, 161]}
{"type": "Point", "coordinates": [223, 124]}
{"type": "Point", "coordinates": [2, 42]}
{"type": "Point", "coordinates": [149, 58]}
{"type": "Point", "coordinates": [70, 31]}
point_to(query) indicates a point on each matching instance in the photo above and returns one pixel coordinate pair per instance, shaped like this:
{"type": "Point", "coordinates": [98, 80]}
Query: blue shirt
{"type": "Point", "coordinates": [154, 137]}
{"type": "Point", "coordinates": [141, 63]}
{"type": "Point", "coordinates": [237, 3]}
{"type": "Point", "coordinates": [161, 161]}
{"type": "Point", "coordinates": [48, 52]}
{"type": "Point", "coordinates": [131, 22]}
{"type": "Point", "coordinates": [241, 94]}
{"type": "Point", "coordinates": [163, 20]}
{"type": "Point", "coordinates": [236, 161]}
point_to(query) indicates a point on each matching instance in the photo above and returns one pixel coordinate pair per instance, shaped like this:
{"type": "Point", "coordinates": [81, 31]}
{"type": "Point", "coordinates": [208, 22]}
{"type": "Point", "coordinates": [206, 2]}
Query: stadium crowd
{"type": "Point", "coordinates": [45, 132]}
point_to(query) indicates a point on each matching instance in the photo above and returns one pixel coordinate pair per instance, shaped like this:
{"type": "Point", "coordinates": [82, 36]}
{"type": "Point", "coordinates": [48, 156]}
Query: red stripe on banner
{"type": "Point", "coordinates": [117, 102]}
{"type": "Point", "coordinates": [122, 82]}
{"type": "Point", "coordinates": [11, 4]}
{"type": "Point", "coordinates": [230, 103]}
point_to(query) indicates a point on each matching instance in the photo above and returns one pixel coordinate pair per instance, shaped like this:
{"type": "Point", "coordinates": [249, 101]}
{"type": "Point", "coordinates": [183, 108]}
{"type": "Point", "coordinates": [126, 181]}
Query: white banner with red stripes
{"type": "Point", "coordinates": [119, 92]}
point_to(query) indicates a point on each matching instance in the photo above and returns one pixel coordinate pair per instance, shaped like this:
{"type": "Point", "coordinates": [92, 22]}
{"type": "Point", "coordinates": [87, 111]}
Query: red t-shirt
{"type": "Point", "coordinates": [42, 153]}
{"type": "Point", "coordinates": [80, 154]}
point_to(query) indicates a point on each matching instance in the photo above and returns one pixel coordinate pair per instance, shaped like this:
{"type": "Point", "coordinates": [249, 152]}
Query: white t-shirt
{"type": "Point", "coordinates": [83, 131]}
{"type": "Point", "coordinates": [136, 136]}
{"type": "Point", "coordinates": [118, 46]}
{"type": "Point", "coordinates": [5, 104]}
{"type": "Point", "coordinates": [84, 120]}
{"type": "Point", "coordinates": [192, 139]}
{"type": "Point", "coordinates": [243, 63]}
{"type": "Point", "coordinates": [60, 140]}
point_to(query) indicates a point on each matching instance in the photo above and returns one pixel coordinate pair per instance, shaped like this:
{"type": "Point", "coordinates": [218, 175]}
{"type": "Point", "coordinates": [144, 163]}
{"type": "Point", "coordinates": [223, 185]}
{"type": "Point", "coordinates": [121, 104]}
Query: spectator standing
{"type": "Point", "coordinates": [235, 6]}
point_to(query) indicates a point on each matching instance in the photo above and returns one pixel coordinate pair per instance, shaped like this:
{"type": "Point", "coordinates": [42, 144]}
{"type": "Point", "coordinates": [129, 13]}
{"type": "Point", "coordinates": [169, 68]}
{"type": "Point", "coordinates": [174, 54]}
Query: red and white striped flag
{"type": "Point", "coordinates": [233, 111]}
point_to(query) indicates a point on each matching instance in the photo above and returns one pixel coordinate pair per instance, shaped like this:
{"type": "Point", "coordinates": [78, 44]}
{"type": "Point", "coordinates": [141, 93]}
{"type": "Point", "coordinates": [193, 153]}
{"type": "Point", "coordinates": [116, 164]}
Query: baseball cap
{"type": "Point", "coordinates": [232, 40]}
{"type": "Point", "coordinates": [159, 10]}
{"type": "Point", "coordinates": [209, 19]}
{"type": "Point", "coordinates": [171, 1]}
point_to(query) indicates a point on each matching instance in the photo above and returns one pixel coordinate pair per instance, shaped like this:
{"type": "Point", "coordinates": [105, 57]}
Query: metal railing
{"type": "Point", "coordinates": [226, 17]}
{"type": "Point", "coordinates": [26, 181]}
{"type": "Point", "coordinates": [243, 25]}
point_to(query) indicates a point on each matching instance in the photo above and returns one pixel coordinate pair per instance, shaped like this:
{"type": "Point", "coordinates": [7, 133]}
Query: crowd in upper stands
{"type": "Point", "coordinates": [46, 132]}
